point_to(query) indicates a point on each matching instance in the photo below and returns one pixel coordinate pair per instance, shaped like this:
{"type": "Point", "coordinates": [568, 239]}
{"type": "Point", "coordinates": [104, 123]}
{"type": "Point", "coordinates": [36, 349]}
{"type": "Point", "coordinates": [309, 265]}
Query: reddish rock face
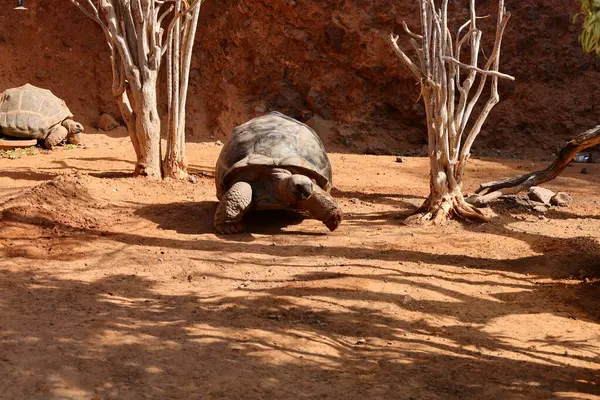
{"type": "Point", "coordinates": [322, 60]}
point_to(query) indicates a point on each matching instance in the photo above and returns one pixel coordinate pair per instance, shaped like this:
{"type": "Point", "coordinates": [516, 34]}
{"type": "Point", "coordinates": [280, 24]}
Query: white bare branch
{"type": "Point", "coordinates": [404, 58]}
{"type": "Point", "coordinates": [177, 16]}
{"type": "Point", "coordinates": [439, 74]}
{"type": "Point", "coordinates": [410, 33]}
{"type": "Point", "coordinates": [481, 71]}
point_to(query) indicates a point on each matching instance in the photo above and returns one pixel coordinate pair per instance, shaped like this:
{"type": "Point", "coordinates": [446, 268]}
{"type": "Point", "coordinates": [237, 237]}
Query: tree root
{"type": "Point", "coordinates": [490, 191]}
{"type": "Point", "coordinates": [440, 211]}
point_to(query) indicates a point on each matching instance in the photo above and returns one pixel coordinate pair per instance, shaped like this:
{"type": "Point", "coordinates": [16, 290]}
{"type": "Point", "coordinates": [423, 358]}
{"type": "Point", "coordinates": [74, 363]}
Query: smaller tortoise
{"type": "Point", "coordinates": [273, 162]}
{"type": "Point", "coordinates": [29, 112]}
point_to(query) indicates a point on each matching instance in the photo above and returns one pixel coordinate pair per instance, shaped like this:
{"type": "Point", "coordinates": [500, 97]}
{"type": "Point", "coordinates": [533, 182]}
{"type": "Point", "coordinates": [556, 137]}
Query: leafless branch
{"type": "Point", "coordinates": [481, 71]}
{"type": "Point", "coordinates": [404, 58]}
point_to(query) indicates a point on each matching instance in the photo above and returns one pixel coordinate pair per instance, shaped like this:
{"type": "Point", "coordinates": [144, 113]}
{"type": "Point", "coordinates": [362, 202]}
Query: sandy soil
{"type": "Point", "coordinates": [117, 288]}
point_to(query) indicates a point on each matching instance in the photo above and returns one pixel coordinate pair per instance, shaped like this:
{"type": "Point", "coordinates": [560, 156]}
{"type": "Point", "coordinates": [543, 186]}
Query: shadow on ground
{"type": "Point", "coordinates": [310, 333]}
{"type": "Point", "coordinates": [63, 336]}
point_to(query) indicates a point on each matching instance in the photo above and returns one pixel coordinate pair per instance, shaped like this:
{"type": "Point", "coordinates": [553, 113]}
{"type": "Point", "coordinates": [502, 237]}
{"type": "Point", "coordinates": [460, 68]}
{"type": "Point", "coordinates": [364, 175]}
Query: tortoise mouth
{"type": "Point", "coordinates": [74, 139]}
{"type": "Point", "coordinates": [334, 220]}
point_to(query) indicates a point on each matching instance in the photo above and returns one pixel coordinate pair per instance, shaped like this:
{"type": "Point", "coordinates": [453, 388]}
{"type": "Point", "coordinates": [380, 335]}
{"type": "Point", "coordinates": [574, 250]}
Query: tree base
{"type": "Point", "coordinates": [439, 210]}
{"type": "Point", "coordinates": [175, 170]}
{"type": "Point", "coordinates": [143, 170]}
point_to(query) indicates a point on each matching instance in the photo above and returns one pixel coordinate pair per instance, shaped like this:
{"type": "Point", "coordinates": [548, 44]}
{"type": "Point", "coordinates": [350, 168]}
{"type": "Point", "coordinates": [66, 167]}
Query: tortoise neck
{"type": "Point", "coordinates": [280, 182]}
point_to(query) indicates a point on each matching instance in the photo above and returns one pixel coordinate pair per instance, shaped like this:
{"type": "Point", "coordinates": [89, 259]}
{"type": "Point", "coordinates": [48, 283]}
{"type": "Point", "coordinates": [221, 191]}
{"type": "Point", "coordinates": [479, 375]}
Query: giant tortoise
{"type": "Point", "coordinates": [273, 162]}
{"type": "Point", "coordinates": [29, 112]}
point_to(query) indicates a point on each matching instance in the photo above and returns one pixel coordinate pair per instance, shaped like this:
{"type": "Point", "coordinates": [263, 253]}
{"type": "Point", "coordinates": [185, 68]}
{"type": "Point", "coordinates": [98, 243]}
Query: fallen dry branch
{"type": "Point", "coordinates": [493, 190]}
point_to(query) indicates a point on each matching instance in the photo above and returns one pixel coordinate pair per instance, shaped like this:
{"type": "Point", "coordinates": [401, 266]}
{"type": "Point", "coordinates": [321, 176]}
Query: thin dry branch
{"type": "Point", "coordinates": [477, 69]}
{"type": "Point", "coordinates": [494, 97]}
{"type": "Point", "coordinates": [177, 16]}
{"type": "Point", "coordinates": [405, 59]}
{"type": "Point", "coordinates": [95, 16]}
{"type": "Point", "coordinates": [410, 33]}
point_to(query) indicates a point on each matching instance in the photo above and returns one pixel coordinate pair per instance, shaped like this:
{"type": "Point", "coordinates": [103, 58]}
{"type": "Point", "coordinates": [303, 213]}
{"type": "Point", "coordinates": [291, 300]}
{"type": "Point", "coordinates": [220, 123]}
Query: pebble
{"type": "Point", "coordinates": [561, 199]}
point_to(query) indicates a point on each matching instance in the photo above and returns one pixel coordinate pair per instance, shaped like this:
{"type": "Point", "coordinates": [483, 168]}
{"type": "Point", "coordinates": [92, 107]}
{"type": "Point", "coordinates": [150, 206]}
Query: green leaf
{"type": "Point", "coordinates": [590, 35]}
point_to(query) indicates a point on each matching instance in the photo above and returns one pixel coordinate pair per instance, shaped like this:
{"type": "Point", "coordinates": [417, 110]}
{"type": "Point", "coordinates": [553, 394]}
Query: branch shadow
{"type": "Point", "coordinates": [120, 337]}
{"type": "Point", "coordinates": [28, 174]}
{"type": "Point", "coordinates": [390, 199]}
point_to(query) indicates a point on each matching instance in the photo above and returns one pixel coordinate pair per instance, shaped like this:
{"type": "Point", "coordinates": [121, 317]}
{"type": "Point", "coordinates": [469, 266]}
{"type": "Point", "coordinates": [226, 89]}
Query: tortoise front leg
{"type": "Point", "coordinates": [228, 217]}
{"type": "Point", "coordinates": [57, 134]}
{"type": "Point", "coordinates": [323, 207]}
{"type": "Point", "coordinates": [74, 138]}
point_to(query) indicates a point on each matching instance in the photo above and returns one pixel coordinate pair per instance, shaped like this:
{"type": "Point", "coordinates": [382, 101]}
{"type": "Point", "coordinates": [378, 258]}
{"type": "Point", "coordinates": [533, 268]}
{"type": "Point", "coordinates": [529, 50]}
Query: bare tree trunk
{"type": "Point", "coordinates": [451, 132]}
{"type": "Point", "coordinates": [147, 127]}
{"type": "Point", "coordinates": [492, 190]}
{"type": "Point", "coordinates": [137, 40]}
{"type": "Point", "coordinates": [179, 57]}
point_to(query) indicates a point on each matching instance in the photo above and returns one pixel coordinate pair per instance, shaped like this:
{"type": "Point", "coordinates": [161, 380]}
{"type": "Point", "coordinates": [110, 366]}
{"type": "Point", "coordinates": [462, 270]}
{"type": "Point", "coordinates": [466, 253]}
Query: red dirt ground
{"type": "Point", "coordinates": [118, 288]}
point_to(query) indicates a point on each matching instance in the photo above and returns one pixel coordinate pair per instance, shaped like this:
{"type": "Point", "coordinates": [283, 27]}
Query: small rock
{"type": "Point", "coordinates": [407, 299]}
{"type": "Point", "coordinates": [540, 209]}
{"type": "Point", "coordinates": [275, 316]}
{"type": "Point", "coordinates": [540, 194]}
{"type": "Point", "coordinates": [400, 159]}
{"type": "Point", "coordinates": [585, 171]}
{"type": "Point", "coordinates": [218, 143]}
{"type": "Point", "coordinates": [305, 115]}
{"type": "Point", "coordinates": [244, 284]}
{"type": "Point", "coordinates": [361, 341]}
{"type": "Point", "coordinates": [354, 200]}
{"type": "Point", "coordinates": [561, 199]}
{"type": "Point", "coordinates": [192, 179]}
{"type": "Point", "coordinates": [107, 122]}
{"type": "Point", "coordinates": [261, 108]}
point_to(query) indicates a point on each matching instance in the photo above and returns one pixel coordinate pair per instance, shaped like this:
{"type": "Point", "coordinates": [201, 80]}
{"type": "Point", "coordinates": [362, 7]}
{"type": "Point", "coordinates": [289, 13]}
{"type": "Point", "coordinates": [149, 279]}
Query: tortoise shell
{"type": "Point", "coordinates": [272, 140]}
{"type": "Point", "coordinates": [30, 112]}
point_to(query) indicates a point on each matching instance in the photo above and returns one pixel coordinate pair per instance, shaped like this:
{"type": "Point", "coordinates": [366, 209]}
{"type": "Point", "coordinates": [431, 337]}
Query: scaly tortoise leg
{"type": "Point", "coordinates": [228, 217]}
{"type": "Point", "coordinates": [56, 136]}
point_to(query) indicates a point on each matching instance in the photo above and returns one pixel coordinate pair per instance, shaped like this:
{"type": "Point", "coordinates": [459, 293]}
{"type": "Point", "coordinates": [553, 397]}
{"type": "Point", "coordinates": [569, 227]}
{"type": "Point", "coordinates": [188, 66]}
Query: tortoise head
{"type": "Point", "coordinates": [73, 127]}
{"type": "Point", "coordinates": [299, 187]}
